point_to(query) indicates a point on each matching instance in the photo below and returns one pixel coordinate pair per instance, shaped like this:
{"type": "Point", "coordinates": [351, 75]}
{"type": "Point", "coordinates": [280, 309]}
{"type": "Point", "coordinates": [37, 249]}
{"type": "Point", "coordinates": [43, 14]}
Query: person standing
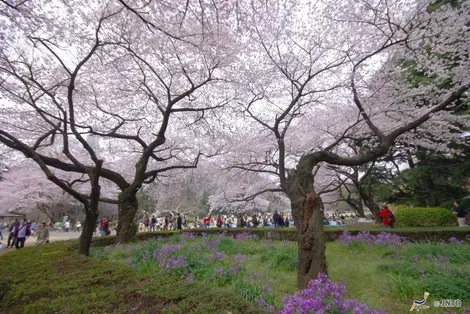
{"type": "Point", "coordinates": [12, 230]}
{"type": "Point", "coordinates": [153, 224]}
{"type": "Point", "coordinates": [276, 219]}
{"type": "Point", "coordinates": [460, 212]}
{"type": "Point", "coordinates": [78, 226]}
{"type": "Point", "coordinates": [388, 219]}
{"type": "Point", "coordinates": [2, 226]}
{"type": "Point", "coordinates": [167, 223]}
{"type": "Point", "coordinates": [179, 222]}
{"type": "Point", "coordinates": [42, 234]}
{"type": "Point", "coordinates": [22, 232]}
{"type": "Point", "coordinates": [219, 222]}
{"type": "Point", "coordinates": [33, 227]}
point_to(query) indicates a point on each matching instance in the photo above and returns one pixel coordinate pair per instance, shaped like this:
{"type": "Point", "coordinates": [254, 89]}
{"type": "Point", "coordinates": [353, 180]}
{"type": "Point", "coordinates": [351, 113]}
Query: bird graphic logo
{"type": "Point", "coordinates": [419, 304]}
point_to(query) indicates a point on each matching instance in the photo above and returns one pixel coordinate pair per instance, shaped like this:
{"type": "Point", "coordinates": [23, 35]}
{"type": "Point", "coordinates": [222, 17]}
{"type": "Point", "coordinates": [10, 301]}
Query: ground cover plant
{"type": "Point", "coordinates": [52, 278]}
{"type": "Point", "coordinates": [367, 272]}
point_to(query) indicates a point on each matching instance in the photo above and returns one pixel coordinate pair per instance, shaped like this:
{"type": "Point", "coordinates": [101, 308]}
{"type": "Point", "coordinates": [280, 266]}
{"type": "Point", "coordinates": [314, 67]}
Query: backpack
{"type": "Point", "coordinates": [28, 231]}
{"type": "Point", "coordinates": [390, 218]}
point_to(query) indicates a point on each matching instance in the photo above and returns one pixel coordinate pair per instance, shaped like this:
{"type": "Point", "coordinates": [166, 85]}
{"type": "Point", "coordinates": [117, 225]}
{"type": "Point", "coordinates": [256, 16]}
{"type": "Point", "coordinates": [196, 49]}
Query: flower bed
{"type": "Point", "coordinates": [263, 271]}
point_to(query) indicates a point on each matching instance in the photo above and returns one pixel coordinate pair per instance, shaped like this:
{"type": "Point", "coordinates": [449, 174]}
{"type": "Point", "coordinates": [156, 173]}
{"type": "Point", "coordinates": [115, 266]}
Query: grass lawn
{"type": "Point", "coordinates": [218, 274]}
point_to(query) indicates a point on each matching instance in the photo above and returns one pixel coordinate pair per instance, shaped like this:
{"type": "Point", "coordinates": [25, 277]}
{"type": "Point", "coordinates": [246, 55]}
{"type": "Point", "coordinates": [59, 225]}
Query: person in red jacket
{"type": "Point", "coordinates": [388, 219]}
{"type": "Point", "coordinates": [220, 222]}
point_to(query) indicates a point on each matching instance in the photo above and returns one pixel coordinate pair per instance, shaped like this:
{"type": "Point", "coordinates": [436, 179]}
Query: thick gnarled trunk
{"type": "Point", "coordinates": [307, 210]}
{"type": "Point", "coordinates": [89, 226]}
{"type": "Point", "coordinates": [127, 209]}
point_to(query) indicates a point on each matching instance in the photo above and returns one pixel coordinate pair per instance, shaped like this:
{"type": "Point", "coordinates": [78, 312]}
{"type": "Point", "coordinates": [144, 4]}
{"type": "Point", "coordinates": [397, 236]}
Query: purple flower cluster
{"type": "Point", "coordinates": [245, 236]}
{"type": "Point", "coordinates": [189, 235]}
{"type": "Point", "coordinates": [454, 241]}
{"type": "Point", "coordinates": [171, 263]}
{"type": "Point", "coordinates": [320, 296]}
{"type": "Point", "coordinates": [239, 258]}
{"type": "Point", "coordinates": [210, 243]}
{"type": "Point", "coordinates": [365, 238]}
{"type": "Point", "coordinates": [218, 256]}
{"type": "Point", "coordinates": [262, 304]}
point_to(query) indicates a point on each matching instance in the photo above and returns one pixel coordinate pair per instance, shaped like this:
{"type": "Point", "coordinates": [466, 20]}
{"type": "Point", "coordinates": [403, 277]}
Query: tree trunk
{"type": "Point", "coordinates": [371, 204]}
{"type": "Point", "coordinates": [307, 210]}
{"type": "Point", "coordinates": [127, 209]}
{"type": "Point", "coordinates": [91, 211]}
{"type": "Point", "coordinates": [89, 226]}
{"type": "Point", "coordinates": [357, 205]}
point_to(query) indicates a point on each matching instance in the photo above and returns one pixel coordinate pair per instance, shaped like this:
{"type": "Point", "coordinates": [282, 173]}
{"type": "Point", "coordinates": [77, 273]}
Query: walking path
{"type": "Point", "coordinates": [53, 237]}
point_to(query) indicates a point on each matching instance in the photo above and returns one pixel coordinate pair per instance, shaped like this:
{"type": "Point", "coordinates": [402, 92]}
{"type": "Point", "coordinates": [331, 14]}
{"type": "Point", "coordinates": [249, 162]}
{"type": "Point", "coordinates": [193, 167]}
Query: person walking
{"type": "Point", "coordinates": [22, 232]}
{"type": "Point", "coordinates": [42, 234]}
{"type": "Point", "coordinates": [11, 235]}
{"type": "Point", "coordinates": [460, 212]}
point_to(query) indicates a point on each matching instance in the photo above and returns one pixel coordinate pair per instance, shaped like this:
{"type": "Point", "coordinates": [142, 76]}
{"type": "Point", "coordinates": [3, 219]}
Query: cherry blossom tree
{"type": "Point", "coordinates": [324, 74]}
{"type": "Point", "coordinates": [130, 75]}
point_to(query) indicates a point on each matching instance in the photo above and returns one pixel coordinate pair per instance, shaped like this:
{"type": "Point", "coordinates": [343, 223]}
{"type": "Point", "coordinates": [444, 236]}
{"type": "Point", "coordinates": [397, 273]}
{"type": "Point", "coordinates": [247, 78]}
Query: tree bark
{"type": "Point", "coordinates": [127, 209]}
{"type": "Point", "coordinates": [89, 226]}
{"type": "Point", "coordinates": [91, 211]}
{"type": "Point", "coordinates": [307, 210]}
{"type": "Point", "coordinates": [370, 203]}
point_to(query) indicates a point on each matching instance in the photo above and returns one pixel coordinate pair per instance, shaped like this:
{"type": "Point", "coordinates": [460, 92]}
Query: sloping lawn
{"type": "Point", "coordinates": [383, 271]}
{"type": "Point", "coordinates": [52, 279]}
{"type": "Point", "coordinates": [227, 274]}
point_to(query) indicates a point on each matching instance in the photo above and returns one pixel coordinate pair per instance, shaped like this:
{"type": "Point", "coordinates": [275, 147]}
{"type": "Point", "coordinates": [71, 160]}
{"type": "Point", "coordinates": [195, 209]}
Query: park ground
{"type": "Point", "coordinates": [53, 279]}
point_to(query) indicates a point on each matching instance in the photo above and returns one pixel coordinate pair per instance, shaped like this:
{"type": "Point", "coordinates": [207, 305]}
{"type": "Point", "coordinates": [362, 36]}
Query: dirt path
{"type": "Point", "coordinates": [53, 236]}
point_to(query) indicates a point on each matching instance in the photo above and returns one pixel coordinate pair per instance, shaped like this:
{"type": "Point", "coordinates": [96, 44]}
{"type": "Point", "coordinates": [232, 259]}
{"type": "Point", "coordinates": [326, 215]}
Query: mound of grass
{"type": "Point", "coordinates": [53, 279]}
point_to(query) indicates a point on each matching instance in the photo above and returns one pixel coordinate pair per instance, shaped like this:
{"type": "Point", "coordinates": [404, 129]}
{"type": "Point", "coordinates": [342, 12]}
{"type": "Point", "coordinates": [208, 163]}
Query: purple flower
{"type": "Point", "coordinates": [365, 238]}
{"type": "Point", "coordinates": [322, 295]}
{"type": "Point", "coordinates": [189, 235]}
{"type": "Point", "coordinates": [239, 258]}
{"type": "Point", "coordinates": [245, 236]}
{"type": "Point", "coordinates": [190, 278]}
{"type": "Point", "coordinates": [235, 269]}
{"type": "Point", "coordinates": [218, 256]}
{"type": "Point", "coordinates": [267, 289]}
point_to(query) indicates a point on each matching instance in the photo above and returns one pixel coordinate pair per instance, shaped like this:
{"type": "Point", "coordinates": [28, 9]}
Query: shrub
{"type": "Point", "coordinates": [424, 217]}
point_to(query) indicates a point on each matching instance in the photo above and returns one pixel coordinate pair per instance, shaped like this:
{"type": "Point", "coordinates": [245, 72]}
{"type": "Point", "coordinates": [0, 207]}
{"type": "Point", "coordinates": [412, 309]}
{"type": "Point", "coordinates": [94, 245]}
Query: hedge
{"type": "Point", "coordinates": [290, 234]}
{"type": "Point", "coordinates": [425, 217]}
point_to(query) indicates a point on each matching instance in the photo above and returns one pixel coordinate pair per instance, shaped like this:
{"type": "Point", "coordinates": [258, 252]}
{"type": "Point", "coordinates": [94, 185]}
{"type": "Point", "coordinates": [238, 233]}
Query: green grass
{"type": "Point", "coordinates": [53, 279]}
{"type": "Point", "coordinates": [371, 273]}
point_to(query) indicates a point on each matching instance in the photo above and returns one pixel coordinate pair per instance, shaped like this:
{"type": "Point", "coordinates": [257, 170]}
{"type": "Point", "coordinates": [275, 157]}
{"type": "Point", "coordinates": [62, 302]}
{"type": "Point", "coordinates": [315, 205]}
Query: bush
{"type": "Point", "coordinates": [425, 217]}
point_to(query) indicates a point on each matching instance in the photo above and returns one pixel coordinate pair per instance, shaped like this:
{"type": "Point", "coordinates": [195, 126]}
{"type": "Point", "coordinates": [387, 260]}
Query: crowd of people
{"type": "Point", "coordinates": [277, 220]}
{"type": "Point", "coordinates": [152, 224]}
{"type": "Point", "coordinates": [179, 222]}
{"type": "Point", "coordinates": [20, 230]}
